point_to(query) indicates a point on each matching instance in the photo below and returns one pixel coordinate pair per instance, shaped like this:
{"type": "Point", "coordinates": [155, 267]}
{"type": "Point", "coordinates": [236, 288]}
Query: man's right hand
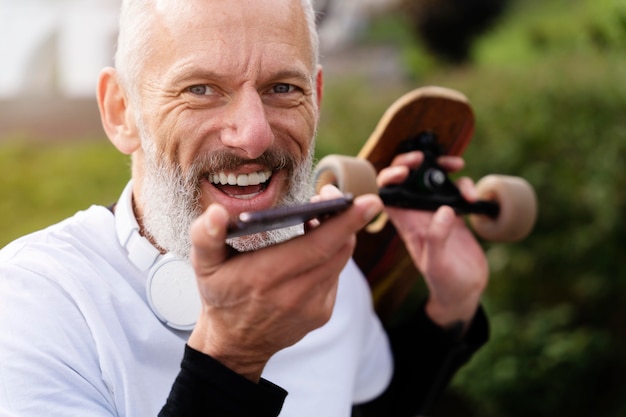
{"type": "Point", "coordinates": [257, 303]}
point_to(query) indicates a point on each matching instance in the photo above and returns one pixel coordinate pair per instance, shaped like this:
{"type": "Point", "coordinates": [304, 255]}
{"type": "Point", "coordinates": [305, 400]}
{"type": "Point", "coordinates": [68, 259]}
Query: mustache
{"type": "Point", "coordinates": [224, 160]}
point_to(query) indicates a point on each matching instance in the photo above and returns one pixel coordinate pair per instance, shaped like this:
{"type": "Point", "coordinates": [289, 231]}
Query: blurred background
{"type": "Point", "coordinates": [547, 79]}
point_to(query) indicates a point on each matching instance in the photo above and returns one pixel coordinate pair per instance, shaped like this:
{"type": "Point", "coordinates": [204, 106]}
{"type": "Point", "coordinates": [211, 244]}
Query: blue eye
{"type": "Point", "coordinates": [283, 88]}
{"type": "Point", "coordinates": [200, 90]}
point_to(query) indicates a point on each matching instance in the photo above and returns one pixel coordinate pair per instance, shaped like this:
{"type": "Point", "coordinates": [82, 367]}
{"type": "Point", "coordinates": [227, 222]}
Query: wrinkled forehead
{"type": "Point", "coordinates": [283, 19]}
{"type": "Point", "coordinates": [233, 36]}
{"type": "Point", "coordinates": [153, 31]}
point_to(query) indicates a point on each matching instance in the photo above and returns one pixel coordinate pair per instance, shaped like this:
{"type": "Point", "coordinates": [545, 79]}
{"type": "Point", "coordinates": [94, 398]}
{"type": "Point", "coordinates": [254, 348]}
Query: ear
{"type": "Point", "coordinates": [319, 85]}
{"type": "Point", "coordinates": [116, 113]}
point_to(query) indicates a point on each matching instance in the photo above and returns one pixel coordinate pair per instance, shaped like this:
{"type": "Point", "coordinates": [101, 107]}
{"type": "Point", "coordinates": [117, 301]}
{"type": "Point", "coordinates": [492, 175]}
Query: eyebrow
{"type": "Point", "coordinates": [298, 75]}
{"type": "Point", "coordinates": [183, 75]}
{"type": "Point", "coordinates": [195, 73]}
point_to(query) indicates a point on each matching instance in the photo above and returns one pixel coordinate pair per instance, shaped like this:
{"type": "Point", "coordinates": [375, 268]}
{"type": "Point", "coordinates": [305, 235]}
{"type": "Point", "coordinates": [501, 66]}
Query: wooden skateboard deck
{"type": "Point", "coordinates": [382, 256]}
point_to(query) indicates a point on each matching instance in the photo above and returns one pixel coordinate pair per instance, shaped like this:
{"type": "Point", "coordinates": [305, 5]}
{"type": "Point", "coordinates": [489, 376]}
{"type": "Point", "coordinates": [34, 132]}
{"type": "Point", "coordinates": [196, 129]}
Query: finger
{"type": "Point", "coordinates": [467, 189]}
{"type": "Point", "coordinates": [411, 159]}
{"type": "Point", "coordinates": [439, 230]}
{"type": "Point", "coordinates": [208, 233]}
{"type": "Point", "coordinates": [399, 168]}
{"type": "Point", "coordinates": [318, 296]}
{"type": "Point", "coordinates": [392, 175]}
{"type": "Point", "coordinates": [328, 192]}
{"type": "Point", "coordinates": [367, 206]}
{"type": "Point", "coordinates": [414, 159]}
{"type": "Point", "coordinates": [312, 280]}
{"type": "Point", "coordinates": [320, 244]}
{"type": "Point", "coordinates": [451, 163]}
{"type": "Point", "coordinates": [363, 209]}
{"type": "Point", "coordinates": [311, 224]}
{"type": "Point", "coordinates": [340, 227]}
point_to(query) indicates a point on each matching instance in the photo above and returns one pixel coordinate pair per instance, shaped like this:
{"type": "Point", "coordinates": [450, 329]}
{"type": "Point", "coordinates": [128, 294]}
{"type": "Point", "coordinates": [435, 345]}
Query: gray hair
{"type": "Point", "coordinates": [136, 18]}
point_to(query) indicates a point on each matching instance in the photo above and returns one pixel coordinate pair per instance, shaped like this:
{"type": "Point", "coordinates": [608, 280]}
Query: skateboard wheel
{"type": "Point", "coordinates": [518, 208]}
{"type": "Point", "coordinates": [349, 174]}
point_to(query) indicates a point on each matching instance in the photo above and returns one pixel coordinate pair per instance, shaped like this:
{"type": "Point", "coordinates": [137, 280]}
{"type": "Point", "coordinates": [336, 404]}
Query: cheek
{"type": "Point", "coordinates": [175, 137]}
{"type": "Point", "coordinates": [299, 127]}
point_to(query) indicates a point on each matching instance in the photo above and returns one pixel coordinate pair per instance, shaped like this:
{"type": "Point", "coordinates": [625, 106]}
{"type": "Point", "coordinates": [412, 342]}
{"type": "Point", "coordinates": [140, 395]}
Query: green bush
{"type": "Point", "coordinates": [555, 116]}
{"type": "Point", "coordinates": [556, 299]}
{"type": "Point", "coordinates": [43, 183]}
{"type": "Point", "coordinates": [549, 92]}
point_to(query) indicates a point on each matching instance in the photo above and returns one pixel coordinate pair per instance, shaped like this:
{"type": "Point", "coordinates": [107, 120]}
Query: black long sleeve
{"type": "Point", "coordinates": [425, 359]}
{"type": "Point", "coordinates": [205, 387]}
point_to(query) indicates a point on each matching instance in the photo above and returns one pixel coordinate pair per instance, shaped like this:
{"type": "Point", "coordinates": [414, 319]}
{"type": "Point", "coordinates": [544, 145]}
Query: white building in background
{"type": "Point", "coordinates": [58, 47]}
{"type": "Point", "coordinates": [55, 47]}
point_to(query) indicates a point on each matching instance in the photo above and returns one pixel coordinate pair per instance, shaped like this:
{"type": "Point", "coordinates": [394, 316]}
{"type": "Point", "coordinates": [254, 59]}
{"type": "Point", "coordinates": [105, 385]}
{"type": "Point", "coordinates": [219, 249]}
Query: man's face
{"type": "Point", "coordinates": [228, 107]}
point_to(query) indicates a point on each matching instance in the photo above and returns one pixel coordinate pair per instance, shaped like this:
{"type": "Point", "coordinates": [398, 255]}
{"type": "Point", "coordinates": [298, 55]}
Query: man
{"type": "Point", "coordinates": [217, 101]}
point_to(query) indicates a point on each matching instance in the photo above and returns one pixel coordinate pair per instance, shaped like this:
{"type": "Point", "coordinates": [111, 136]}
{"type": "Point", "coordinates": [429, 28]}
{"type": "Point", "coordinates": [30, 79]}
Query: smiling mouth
{"type": "Point", "coordinates": [241, 186]}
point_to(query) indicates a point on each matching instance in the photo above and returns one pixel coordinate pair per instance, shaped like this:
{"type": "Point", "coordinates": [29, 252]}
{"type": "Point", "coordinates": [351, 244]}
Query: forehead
{"type": "Point", "coordinates": [233, 34]}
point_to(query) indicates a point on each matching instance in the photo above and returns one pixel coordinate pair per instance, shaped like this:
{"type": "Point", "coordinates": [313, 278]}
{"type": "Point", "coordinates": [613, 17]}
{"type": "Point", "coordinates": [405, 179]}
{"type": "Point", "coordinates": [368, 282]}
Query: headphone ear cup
{"type": "Point", "coordinates": [172, 292]}
{"type": "Point", "coordinates": [171, 287]}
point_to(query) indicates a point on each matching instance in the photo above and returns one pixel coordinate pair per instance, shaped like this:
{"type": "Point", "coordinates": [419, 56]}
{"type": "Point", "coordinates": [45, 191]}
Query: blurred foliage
{"type": "Point", "coordinates": [548, 85]}
{"type": "Point", "coordinates": [557, 298]}
{"type": "Point", "coordinates": [448, 28]}
{"type": "Point", "coordinates": [43, 183]}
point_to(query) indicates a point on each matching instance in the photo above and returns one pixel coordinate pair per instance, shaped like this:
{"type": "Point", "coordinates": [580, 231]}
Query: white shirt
{"type": "Point", "coordinates": [77, 336]}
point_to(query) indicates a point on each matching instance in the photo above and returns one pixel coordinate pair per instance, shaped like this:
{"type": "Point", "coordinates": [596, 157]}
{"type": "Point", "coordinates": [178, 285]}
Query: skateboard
{"type": "Point", "coordinates": [437, 121]}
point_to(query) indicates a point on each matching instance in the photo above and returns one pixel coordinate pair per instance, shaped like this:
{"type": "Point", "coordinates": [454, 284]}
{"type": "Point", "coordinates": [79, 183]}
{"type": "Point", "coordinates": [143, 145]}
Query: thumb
{"type": "Point", "coordinates": [440, 229]}
{"type": "Point", "coordinates": [208, 234]}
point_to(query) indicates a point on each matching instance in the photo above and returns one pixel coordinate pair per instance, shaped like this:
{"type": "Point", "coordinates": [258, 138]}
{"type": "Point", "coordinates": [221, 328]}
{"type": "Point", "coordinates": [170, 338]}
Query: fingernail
{"type": "Point", "coordinates": [399, 170]}
{"type": "Point", "coordinates": [371, 212]}
{"type": "Point", "coordinates": [209, 226]}
{"type": "Point", "coordinates": [444, 215]}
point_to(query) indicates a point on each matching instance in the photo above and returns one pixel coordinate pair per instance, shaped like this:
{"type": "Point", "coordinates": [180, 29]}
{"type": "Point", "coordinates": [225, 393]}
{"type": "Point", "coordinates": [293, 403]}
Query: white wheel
{"type": "Point", "coordinates": [349, 174]}
{"type": "Point", "coordinates": [518, 208]}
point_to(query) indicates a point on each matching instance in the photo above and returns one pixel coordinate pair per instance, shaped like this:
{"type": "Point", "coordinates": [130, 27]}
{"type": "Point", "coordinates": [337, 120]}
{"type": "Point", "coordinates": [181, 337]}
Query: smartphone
{"type": "Point", "coordinates": [250, 222]}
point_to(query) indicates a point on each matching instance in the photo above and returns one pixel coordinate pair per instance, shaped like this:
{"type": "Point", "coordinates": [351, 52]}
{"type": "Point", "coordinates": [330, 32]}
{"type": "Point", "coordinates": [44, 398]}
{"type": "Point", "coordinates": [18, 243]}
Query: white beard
{"type": "Point", "coordinates": [171, 201]}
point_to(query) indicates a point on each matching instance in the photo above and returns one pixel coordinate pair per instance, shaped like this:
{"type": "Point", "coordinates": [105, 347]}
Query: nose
{"type": "Point", "coordinates": [246, 126]}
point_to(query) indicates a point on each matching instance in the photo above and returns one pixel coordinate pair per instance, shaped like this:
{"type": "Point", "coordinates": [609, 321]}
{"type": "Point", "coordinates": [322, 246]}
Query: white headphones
{"type": "Point", "coordinates": [171, 286]}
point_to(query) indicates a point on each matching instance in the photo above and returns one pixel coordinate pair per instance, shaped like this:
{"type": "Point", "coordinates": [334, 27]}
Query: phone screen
{"type": "Point", "coordinates": [251, 222]}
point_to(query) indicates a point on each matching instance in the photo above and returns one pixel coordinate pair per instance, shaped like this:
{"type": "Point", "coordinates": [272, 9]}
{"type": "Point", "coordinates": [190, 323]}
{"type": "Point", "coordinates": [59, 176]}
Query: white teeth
{"type": "Point", "coordinates": [253, 179]}
{"type": "Point", "coordinates": [242, 180]}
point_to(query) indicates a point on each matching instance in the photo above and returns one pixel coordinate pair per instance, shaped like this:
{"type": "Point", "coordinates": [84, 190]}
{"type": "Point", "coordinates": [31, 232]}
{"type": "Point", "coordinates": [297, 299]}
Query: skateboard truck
{"type": "Point", "coordinates": [429, 187]}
